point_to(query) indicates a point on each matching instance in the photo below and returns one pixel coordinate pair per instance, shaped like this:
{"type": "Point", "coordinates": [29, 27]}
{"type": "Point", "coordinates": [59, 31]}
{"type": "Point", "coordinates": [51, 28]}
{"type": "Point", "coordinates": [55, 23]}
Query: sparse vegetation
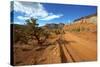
{"type": "Point", "coordinates": [37, 32]}
{"type": "Point", "coordinates": [30, 31]}
{"type": "Point", "coordinates": [78, 29]}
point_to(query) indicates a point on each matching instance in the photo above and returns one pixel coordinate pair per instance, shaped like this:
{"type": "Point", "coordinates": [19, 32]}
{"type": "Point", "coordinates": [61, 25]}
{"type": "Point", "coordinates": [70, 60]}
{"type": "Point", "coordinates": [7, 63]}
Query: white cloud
{"type": "Point", "coordinates": [22, 18]}
{"type": "Point", "coordinates": [51, 17]}
{"type": "Point", "coordinates": [19, 22]}
{"type": "Point", "coordinates": [33, 9]}
{"type": "Point", "coordinates": [30, 9]}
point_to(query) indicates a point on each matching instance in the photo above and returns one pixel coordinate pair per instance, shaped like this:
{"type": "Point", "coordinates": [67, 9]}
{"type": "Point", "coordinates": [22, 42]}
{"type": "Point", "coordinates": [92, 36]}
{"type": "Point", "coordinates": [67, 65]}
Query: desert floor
{"type": "Point", "coordinates": [69, 47]}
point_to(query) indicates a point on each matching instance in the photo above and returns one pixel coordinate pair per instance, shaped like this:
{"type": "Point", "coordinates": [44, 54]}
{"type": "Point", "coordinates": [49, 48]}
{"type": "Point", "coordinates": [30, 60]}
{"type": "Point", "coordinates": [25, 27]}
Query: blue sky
{"type": "Point", "coordinates": [49, 13]}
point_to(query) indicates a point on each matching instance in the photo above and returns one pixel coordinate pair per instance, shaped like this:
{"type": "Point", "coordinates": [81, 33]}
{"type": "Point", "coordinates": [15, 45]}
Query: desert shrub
{"type": "Point", "coordinates": [36, 32]}
{"type": "Point", "coordinates": [83, 29]}
{"type": "Point", "coordinates": [31, 30]}
{"type": "Point", "coordinates": [58, 31]}
{"type": "Point", "coordinates": [76, 30]}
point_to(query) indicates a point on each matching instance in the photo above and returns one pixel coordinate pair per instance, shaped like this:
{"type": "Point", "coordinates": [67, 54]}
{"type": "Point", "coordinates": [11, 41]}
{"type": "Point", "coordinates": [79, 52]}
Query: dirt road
{"type": "Point", "coordinates": [77, 48]}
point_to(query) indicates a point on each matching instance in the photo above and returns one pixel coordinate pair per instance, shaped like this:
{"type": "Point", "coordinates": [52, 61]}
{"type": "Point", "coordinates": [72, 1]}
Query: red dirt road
{"type": "Point", "coordinates": [79, 48]}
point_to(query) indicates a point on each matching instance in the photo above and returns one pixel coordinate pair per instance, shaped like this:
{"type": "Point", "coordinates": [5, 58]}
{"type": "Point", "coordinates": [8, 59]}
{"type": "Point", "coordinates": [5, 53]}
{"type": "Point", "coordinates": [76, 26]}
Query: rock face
{"type": "Point", "coordinates": [90, 18]}
{"type": "Point", "coordinates": [87, 23]}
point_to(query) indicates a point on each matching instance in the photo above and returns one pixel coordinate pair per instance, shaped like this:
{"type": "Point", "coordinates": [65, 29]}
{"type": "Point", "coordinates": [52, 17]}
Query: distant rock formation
{"type": "Point", "coordinates": [86, 23]}
{"type": "Point", "coordinates": [54, 25]}
{"type": "Point", "coordinates": [87, 19]}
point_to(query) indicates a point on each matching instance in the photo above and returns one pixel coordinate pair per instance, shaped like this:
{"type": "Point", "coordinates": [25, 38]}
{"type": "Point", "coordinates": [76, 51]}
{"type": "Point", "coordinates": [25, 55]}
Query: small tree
{"type": "Point", "coordinates": [36, 32]}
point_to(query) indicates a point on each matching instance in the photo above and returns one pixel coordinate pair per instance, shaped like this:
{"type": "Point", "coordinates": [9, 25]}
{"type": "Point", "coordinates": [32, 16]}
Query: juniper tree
{"type": "Point", "coordinates": [36, 32]}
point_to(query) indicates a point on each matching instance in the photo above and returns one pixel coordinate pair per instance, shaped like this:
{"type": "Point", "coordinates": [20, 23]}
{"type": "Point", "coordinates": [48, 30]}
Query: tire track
{"type": "Point", "coordinates": [64, 52]}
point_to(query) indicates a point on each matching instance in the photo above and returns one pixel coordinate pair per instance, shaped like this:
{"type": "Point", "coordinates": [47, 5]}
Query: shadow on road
{"type": "Point", "coordinates": [63, 42]}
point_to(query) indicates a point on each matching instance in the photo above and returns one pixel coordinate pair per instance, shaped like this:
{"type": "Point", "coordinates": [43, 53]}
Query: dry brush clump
{"type": "Point", "coordinates": [36, 32]}
{"type": "Point", "coordinates": [30, 31]}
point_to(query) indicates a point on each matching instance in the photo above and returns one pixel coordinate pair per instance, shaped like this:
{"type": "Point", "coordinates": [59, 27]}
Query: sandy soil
{"type": "Point", "coordinates": [80, 48]}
